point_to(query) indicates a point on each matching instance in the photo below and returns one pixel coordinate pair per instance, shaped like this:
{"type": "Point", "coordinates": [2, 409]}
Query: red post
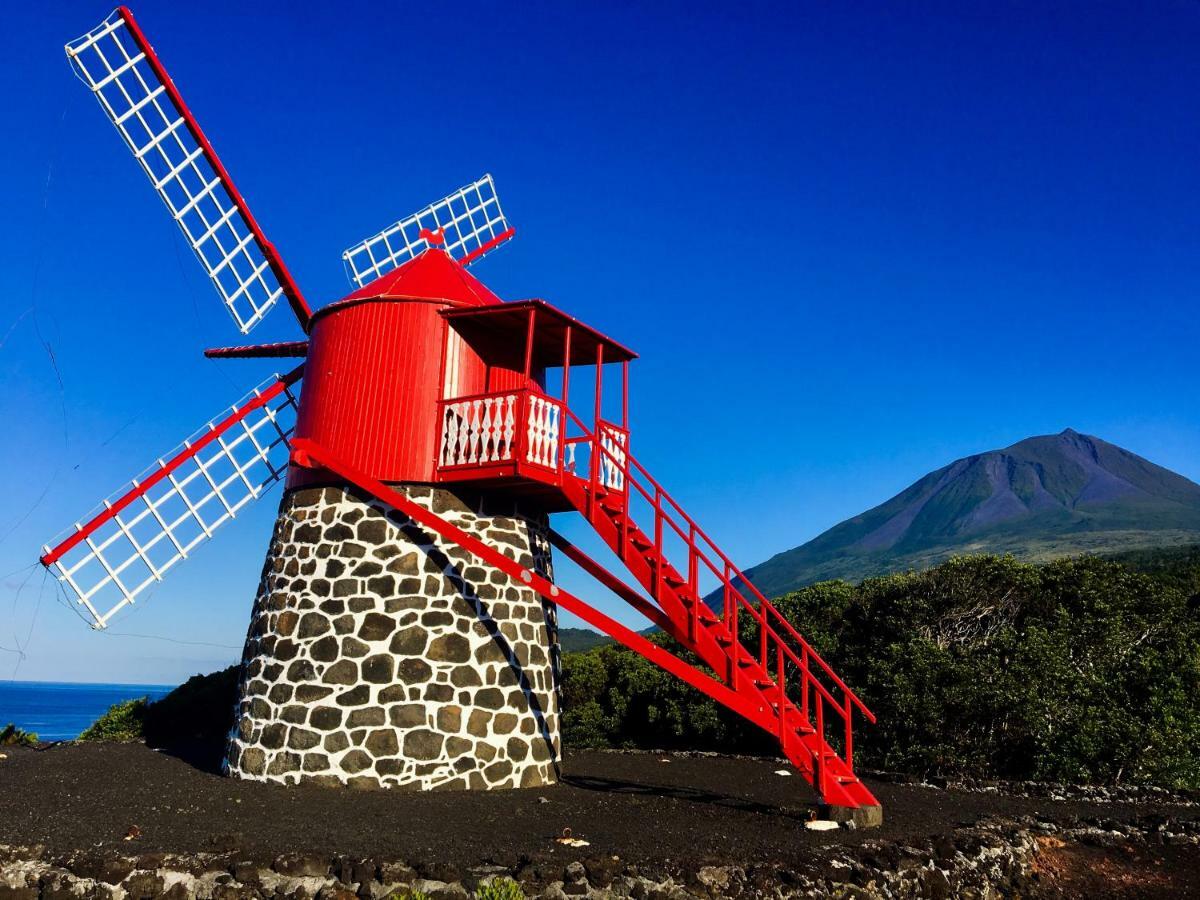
{"type": "Point", "coordinates": [566, 385]}
{"type": "Point", "coordinates": [529, 343]}
{"type": "Point", "coordinates": [599, 384]}
{"type": "Point", "coordinates": [693, 581]}
{"type": "Point", "coordinates": [658, 544]}
{"type": "Point", "coordinates": [625, 395]}
{"type": "Point", "coordinates": [849, 735]}
{"type": "Point", "coordinates": [596, 452]}
{"type": "Point", "coordinates": [804, 677]}
{"type": "Point", "coordinates": [781, 683]}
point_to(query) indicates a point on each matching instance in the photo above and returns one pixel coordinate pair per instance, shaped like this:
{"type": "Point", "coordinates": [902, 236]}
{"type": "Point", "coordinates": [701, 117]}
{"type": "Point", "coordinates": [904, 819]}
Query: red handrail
{"type": "Point", "coordinates": [765, 614]}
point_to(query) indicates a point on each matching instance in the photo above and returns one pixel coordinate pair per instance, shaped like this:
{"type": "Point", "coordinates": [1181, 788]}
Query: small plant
{"type": "Point", "coordinates": [12, 736]}
{"type": "Point", "coordinates": [122, 722]}
{"type": "Point", "coordinates": [500, 889]}
{"type": "Point", "coordinates": [409, 894]}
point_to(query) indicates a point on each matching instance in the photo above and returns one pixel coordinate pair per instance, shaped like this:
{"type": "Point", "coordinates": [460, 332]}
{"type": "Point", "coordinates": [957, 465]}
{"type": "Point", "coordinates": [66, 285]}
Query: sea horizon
{"type": "Point", "coordinates": [62, 710]}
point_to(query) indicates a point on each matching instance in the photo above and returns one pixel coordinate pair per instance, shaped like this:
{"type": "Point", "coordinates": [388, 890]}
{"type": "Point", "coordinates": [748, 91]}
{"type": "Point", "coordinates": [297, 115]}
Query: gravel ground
{"type": "Point", "coordinates": [641, 807]}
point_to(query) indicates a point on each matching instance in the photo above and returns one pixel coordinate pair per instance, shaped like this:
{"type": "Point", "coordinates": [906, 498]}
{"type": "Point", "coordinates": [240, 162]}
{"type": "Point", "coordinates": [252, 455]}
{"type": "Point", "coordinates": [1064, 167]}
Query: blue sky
{"type": "Point", "coordinates": [851, 244]}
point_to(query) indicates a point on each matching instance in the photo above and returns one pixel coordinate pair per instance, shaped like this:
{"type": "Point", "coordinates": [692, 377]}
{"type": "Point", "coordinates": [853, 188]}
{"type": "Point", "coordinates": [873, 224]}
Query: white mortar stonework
{"type": "Point", "coordinates": [379, 657]}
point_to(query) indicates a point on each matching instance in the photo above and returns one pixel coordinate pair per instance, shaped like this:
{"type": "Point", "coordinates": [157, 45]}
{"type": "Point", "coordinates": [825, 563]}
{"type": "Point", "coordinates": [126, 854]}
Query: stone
{"type": "Point", "coordinates": [421, 743]}
{"type": "Point", "coordinates": [376, 627]}
{"type": "Point", "coordinates": [408, 715]}
{"type": "Point", "coordinates": [324, 650]}
{"type": "Point", "coordinates": [313, 625]}
{"type": "Point", "coordinates": [450, 648]}
{"type": "Point", "coordinates": [354, 697]}
{"type": "Point", "coordinates": [378, 669]}
{"type": "Point", "coordinates": [342, 672]}
{"type": "Point", "coordinates": [326, 718]}
{"type": "Point", "coordinates": [286, 623]}
{"type": "Point", "coordinates": [409, 641]}
{"type": "Point", "coordinates": [369, 715]}
{"type": "Point", "coordinates": [382, 743]}
{"type": "Point", "coordinates": [413, 671]}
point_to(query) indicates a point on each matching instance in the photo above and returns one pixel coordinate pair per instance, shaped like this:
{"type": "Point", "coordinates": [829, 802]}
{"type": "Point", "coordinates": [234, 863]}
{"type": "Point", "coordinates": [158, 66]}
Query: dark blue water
{"type": "Point", "coordinates": [59, 711]}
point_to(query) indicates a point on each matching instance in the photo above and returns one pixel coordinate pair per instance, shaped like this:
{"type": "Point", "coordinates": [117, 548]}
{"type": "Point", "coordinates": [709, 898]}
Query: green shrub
{"type": "Point", "coordinates": [1078, 670]}
{"type": "Point", "coordinates": [199, 710]}
{"type": "Point", "coordinates": [409, 894]}
{"type": "Point", "coordinates": [123, 722]}
{"type": "Point", "coordinates": [12, 736]}
{"type": "Point", "coordinates": [500, 889]}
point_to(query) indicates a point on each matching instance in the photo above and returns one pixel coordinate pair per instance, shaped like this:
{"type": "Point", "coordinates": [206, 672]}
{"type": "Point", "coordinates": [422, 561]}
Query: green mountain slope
{"type": "Point", "coordinates": [1043, 497]}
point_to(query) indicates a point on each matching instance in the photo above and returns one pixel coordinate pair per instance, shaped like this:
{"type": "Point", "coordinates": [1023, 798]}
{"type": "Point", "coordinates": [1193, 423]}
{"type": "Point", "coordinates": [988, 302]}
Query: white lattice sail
{"type": "Point", "coordinates": [131, 539]}
{"type": "Point", "coordinates": [137, 95]}
{"type": "Point", "coordinates": [468, 224]}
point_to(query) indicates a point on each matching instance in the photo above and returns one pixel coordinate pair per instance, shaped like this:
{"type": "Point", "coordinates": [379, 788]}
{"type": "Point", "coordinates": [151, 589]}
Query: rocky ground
{"type": "Point", "coordinates": [124, 820]}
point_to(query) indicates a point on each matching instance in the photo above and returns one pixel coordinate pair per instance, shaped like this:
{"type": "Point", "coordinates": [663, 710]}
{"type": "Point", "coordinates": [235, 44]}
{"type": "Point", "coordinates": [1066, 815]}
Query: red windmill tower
{"type": "Point", "coordinates": [403, 632]}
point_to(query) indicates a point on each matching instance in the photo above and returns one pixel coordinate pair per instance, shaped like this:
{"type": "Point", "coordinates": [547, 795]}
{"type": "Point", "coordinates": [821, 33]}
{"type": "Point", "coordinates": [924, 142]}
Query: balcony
{"type": "Point", "coordinates": [523, 442]}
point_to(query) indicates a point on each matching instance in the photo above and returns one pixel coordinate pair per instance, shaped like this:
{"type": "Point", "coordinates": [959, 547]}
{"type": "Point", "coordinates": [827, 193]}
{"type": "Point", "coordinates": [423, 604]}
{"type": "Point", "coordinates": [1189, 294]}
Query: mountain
{"type": "Point", "coordinates": [1046, 496]}
{"type": "Point", "coordinates": [574, 640]}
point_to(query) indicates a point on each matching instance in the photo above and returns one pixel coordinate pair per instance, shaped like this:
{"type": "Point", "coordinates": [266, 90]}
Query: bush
{"type": "Point", "coordinates": [500, 889]}
{"type": "Point", "coordinates": [12, 736]}
{"type": "Point", "coordinates": [199, 710]}
{"type": "Point", "coordinates": [1078, 670]}
{"type": "Point", "coordinates": [122, 722]}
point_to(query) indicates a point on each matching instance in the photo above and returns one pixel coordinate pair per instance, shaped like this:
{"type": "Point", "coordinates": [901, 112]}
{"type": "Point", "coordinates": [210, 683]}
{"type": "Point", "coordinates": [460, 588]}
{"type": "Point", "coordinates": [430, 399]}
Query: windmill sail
{"type": "Point", "coordinates": [130, 541]}
{"type": "Point", "coordinates": [117, 63]}
{"type": "Point", "coordinates": [467, 224]}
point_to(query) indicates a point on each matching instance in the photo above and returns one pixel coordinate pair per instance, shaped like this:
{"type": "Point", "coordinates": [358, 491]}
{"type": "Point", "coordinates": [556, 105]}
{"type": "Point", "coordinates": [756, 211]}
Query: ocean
{"type": "Point", "coordinates": [59, 711]}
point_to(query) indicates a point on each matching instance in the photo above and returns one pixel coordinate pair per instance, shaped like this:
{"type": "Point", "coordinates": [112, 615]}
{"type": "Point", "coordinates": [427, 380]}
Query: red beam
{"type": "Point", "coordinates": [307, 453]}
{"type": "Point", "coordinates": [254, 351]}
{"type": "Point", "coordinates": [488, 247]}
{"type": "Point", "coordinates": [612, 582]}
{"type": "Point", "coordinates": [299, 305]}
{"type": "Point", "coordinates": [56, 553]}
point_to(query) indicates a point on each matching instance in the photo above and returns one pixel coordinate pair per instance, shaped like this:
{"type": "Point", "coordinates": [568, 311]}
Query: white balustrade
{"type": "Point", "coordinates": [479, 430]}
{"type": "Point", "coordinates": [482, 430]}
{"type": "Point", "coordinates": [542, 445]}
{"type": "Point", "coordinates": [614, 461]}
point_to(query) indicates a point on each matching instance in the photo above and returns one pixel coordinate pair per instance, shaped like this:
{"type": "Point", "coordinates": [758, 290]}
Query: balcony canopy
{"type": "Point", "coordinates": [501, 329]}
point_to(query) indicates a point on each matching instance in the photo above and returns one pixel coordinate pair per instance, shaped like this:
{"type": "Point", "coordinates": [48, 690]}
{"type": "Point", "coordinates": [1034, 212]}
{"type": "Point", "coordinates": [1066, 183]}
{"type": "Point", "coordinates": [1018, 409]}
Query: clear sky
{"type": "Point", "coordinates": [852, 242]}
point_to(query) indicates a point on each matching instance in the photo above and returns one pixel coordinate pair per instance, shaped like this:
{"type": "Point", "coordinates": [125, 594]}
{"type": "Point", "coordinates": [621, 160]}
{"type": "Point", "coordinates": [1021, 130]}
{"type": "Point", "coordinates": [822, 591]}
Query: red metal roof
{"type": "Point", "coordinates": [431, 276]}
{"type": "Point", "coordinates": [506, 326]}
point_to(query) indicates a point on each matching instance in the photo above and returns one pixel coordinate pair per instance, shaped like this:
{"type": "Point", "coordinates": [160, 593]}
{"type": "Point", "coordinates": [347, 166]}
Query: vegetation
{"type": "Point", "coordinates": [12, 736]}
{"type": "Point", "coordinates": [500, 889]}
{"type": "Point", "coordinates": [1177, 566]}
{"type": "Point", "coordinates": [123, 722]}
{"type": "Point", "coordinates": [576, 640]}
{"type": "Point", "coordinates": [409, 894]}
{"type": "Point", "coordinates": [1078, 670]}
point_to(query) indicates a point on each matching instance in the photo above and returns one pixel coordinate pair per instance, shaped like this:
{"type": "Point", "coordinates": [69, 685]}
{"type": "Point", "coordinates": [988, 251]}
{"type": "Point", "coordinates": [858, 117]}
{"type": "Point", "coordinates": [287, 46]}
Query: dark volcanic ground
{"type": "Point", "coordinates": [633, 805]}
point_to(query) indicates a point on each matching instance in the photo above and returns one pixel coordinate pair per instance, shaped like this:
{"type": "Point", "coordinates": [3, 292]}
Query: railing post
{"type": "Point", "coordinates": [658, 543]}
{"type": "Point", "coordinates": [693, 582]}
{"type": "Point", "coordinates": [731, 622]}
{"type": "Point", "coordinates": [804, 679]}
{"type": "Point", "coordinates": [566, 393]}
{"type": "Point", "coordinates": [781, 679]}
{"type": "Point", "coordinates": [849, 735]}
{"type": "Point", "coordinates": [820, 773]}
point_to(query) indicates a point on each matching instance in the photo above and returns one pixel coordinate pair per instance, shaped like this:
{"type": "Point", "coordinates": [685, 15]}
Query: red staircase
{"type": "Point", "coordinates": [779, 682]}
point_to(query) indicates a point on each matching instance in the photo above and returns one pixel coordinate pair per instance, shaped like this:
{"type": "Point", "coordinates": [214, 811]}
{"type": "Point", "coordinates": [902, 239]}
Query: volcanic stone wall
{"type": "Point", "coordinates": [378, 656]}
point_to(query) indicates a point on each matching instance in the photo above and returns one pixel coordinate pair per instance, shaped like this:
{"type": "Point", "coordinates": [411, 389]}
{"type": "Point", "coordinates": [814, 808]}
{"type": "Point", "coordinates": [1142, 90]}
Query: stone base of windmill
{"type": "Point", "coordinates": [379, 657]}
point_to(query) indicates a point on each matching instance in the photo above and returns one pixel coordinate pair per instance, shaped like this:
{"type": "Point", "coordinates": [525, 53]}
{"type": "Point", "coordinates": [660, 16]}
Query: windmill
{"type": "Point", "coordinates": [403, 632]}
